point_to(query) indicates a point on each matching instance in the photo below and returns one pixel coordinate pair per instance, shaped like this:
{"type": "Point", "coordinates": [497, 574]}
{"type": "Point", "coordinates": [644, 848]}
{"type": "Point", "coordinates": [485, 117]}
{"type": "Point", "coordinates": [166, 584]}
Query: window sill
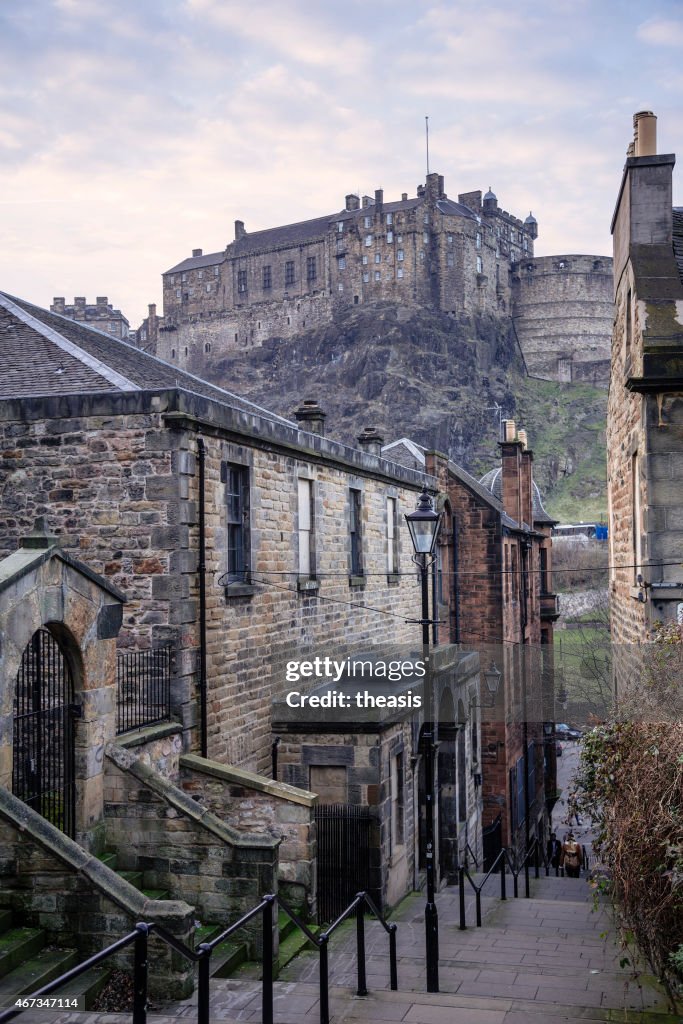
{"type": "Point", "coordinates": [239, 590]}
{"type": "Point", "coordinates": [393, 579]}
{"type": "Point", "coordinates": [308, 586]}
{"type": "Point", "coordinates": [357, 581]}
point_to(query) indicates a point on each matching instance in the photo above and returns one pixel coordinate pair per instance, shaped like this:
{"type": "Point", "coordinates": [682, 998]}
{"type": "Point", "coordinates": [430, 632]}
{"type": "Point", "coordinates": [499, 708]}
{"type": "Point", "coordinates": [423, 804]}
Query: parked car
{"type": "Point", "coordinates": [565, 732]}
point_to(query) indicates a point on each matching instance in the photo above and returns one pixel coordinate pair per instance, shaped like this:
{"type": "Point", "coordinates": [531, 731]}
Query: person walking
{"type": "Point", "coordinates": [553, 852]}
{"type": "Point", "coordinates": [572, 856]}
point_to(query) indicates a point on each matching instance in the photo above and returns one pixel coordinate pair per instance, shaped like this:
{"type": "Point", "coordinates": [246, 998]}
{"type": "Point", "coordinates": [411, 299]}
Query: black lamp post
{"type": "Point", "coordinates": [424, 524]}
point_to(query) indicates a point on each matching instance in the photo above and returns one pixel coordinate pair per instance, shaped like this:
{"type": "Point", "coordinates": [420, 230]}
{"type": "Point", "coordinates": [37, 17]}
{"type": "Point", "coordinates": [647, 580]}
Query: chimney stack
{"type": "Point", "coordinates": [239, 230]}
{"type": "Point", "coordinates": [511, 472]}
{"type": "Point", "coordinates": [310, 417]}
{"type": "Point", "coordinates": [644, 133]}
{"type": "Point", "coordinates": [371, 441]}
{"type": "Point", "coordinates": [101, 302]}
{"type": "Point", "coordinates": [57, 304]}
{"type": "Point", "coordinates": [198, 252]}
{"type": "Point", "coordinates": [352, 201]}
{"type": "Point", "coordinates": [379, 199]}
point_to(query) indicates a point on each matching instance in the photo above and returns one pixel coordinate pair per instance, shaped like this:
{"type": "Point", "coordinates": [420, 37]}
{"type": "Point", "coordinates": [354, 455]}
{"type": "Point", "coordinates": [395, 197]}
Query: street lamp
{"type": "Point", "coordinates": [424, 524]}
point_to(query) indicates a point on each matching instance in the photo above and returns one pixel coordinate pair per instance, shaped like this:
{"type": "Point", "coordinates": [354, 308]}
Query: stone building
{"type": "Point", "coordinates": [101, 315]}
{"type": "Point", "coordinates": [645, 412]}
{"type": "Point", "coordinates": [243, 541]}
{"type": "Point", "coordinates": [494, 594]}
{"type": "Point", "coordinates": [463, 258]}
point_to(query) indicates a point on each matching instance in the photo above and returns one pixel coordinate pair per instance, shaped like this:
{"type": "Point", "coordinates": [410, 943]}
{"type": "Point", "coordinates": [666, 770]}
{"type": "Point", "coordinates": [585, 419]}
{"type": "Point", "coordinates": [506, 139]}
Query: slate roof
{"type": "Point", "coordinates": [678, 239]}
{"type": "Point", "coordinates": [211, 259]}
{"type": "Point", "coordinates": [43, 353]}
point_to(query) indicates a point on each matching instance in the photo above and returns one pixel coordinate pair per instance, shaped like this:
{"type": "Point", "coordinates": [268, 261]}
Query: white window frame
{"type": "Point", "coordinates": [306, 528]}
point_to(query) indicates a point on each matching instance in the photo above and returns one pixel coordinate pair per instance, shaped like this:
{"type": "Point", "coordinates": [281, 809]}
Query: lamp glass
{"type": "Point", "coordinates": [492, 675]}
{"type": "Point", "coordinates": [424, 524]}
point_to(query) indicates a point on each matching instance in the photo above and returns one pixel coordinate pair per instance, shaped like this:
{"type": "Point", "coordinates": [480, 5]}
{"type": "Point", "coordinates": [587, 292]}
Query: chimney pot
{"type": "Point", "coordinates": [509, 430]}
{"type": "Point", "coordinates": [371, 441]}
{"type": "Point", "coordinates": [645, 133]}
{"type": "Point", "coordinates": [522, 436]}
{"type": "Point", "coordinates": [311, 417]}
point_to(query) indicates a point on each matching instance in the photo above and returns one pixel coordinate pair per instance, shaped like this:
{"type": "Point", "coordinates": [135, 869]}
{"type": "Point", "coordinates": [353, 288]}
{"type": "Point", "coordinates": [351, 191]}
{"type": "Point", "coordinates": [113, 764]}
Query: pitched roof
{"type": "Point", "coordinates": [211, 259]}
{"type": "Point", "coordinates": [43, 353]}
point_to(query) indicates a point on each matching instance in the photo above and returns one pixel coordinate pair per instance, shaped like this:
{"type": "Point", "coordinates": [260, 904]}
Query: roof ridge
{"type": "Point", "coordinates": [70, 347]}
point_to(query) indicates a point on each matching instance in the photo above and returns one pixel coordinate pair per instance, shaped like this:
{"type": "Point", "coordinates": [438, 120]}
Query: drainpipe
{"type": "Point", "coordinates": [201, 570]}
{"type": "Point", "coordinates": [456, 583]}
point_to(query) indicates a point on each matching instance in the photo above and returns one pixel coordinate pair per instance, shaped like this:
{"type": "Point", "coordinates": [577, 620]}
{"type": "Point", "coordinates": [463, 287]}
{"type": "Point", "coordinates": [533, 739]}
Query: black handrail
{"type": "Point", "coordinates": [202, 956]}
{"type": "Point", "coordinates": [504, 856]}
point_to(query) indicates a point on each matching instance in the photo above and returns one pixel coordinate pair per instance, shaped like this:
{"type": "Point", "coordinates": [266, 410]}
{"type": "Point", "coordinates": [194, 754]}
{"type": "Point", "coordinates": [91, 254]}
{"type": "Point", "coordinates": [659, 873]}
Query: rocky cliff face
{"type": "Point", "coordinates": [435, 379]}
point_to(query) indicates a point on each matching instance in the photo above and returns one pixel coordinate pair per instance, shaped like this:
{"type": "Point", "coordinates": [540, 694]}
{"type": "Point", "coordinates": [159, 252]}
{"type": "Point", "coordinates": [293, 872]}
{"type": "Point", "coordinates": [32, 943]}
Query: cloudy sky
{"type": "Point", "coordinates": [133, 131]}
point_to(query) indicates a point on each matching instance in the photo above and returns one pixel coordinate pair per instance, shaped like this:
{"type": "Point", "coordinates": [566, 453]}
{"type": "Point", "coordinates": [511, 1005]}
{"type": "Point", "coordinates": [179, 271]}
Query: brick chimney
{"type": "Point", "coordinates": [526, 487]}
{"type": "Point", "coordinates": [511, 471]}
{"type": "Point", "coordinates": [198, 252]}
{"type": "Point", "coordinates": [239, 230]}
{"type": "Point", "coordinates": [310, 417]}
{"type": "Point", "coordinates": [371, 441]}
{"type": "Point", "coordinates": [379, 200]}
{"type": "Point", "coordinates": [101, 302]}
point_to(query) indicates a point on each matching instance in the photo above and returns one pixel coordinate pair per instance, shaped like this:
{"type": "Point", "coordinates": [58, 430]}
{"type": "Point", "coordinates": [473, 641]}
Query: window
{"type": "Point", "coordinates": [425, 219]}
{"type": "Point", "coordinates": [378, 275]}
{"type": "Point", "coordinates": [216, 271]}
{"type": "Point", "coordinates": [450, 260]}
{"type": "Point", "coordinates": [449, 239]}
{"type": "Point", "coordinates": [368, 240]}
{"type": "Point", "coordinates": [306, 536]}
{"type": "Point", "coordinates": [397, 801]}
{"type": "Point", "coordinates": [311, 271]}
{"type": "Point", "coordinates": [241, 280]}
{"type": "Point", "coordinates": [237, 479]}
{"type": "Point", "coordinates": [399, 272]}
{"type": "Point", "coordinates": [425, 237]}
{"type": "Point", "coordinates": [480, 265]}
{"type": "Point", "coordinates": [390, 220]}
{"type": "Point", "coordinates": [366, 277]}
{"type": "Point", "coordinates": [341, 263]}
{"type": "Point", "coordinates": [208, 287]}
{"type": "Point", "coordinates": [392, 536]}
{"type": "Point", "coordinates": [340, 245]}
{"type": "Point", "coordinates": [545, 575]}
{"type": "Point", "coordinates": [399, 255]}
{"type": "Point", "coordinates": [340, 226]}
{"type": "Point", "coordinates": [177, 293]}
{"type": "Point", "coordinates": [289, 272]}
{"type": "Point", "coordinates": [365, 259]}
{"type": "Point", "coordinates": [478, 240]}
{"type": "Point", "coordinates": [399, 239]}
{"type": "Point", "coordinates": [355, 537]}
{"type": "Point", "coordinates": [367, 221]}
{"type": "Point", "coordinates": [340, 287]}
{"type": "Point", "coordinates": [378, 257]}
{"type": "Point", "coordinates": [267, 278]}
{"type": "Point", "coordinates": [390, 237]}
{"type": "Point", "coordinates": [636, 524]}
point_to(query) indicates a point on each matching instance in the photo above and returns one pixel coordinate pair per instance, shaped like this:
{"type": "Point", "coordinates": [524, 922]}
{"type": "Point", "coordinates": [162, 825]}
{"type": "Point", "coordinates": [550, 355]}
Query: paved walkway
{"type": "Point", "coordinates": [552, 959]}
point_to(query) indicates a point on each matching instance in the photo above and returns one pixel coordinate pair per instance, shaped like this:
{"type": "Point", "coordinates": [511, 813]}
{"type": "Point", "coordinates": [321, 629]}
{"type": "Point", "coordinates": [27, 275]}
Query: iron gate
{"type": "Point", "coordinates": [344, 852]}
{"type": "Point", "coordinates": [44, 712]}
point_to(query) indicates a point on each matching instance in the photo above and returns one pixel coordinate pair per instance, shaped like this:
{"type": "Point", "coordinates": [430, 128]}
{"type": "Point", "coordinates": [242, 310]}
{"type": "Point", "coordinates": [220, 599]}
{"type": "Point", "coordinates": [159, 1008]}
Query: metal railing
{"type": "Point", "coordinates": [202, 957]}
{"type": "Point", "coordinates": [143, 688]}
{"type": "Point", "coordinates": [516, 866]}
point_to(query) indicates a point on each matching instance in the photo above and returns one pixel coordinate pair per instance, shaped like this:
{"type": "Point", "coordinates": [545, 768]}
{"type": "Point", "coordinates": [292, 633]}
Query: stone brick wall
{"type": "Point", "coordinates": [180, 845]}
{"type": "Point", "coordinates": [252, 804]}
{"type": "Point", "coordinates": [563, 310]}
{"type": "Point", "coordinates": [49, 882]}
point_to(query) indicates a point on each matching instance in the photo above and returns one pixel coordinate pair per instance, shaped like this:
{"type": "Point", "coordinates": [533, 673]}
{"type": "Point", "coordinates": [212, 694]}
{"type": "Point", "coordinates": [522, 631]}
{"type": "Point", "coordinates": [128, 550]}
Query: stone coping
{"type": "Point", "coordinates": [250, 780]}
{"type": "Point", "coordinates": [184, 804]}
{"type": "Point", "coordinates": [148, 733]}
{"type": "Point", "coordinates": [33, 826]}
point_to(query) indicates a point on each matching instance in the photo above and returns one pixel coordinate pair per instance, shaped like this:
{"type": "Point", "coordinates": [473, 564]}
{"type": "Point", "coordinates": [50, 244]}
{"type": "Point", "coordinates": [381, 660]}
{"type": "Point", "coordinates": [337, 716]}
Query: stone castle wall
{"type": "Point", "coordinates": [563, 309]}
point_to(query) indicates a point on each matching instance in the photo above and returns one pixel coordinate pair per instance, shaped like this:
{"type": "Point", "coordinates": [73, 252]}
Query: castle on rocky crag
{"type": "Point", "coordinates": [463, 258]}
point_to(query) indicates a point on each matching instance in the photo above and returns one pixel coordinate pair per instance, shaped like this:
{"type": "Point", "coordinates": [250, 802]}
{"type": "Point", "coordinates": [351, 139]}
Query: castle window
{"type": "Point", "coordinates": [399, 272]}
{"type": "Point", "coordinates": [200, 274]}
{"type": "Point", "coordinates": [449, 239]}
{"type": "Point", "coordinates": [366, 277]}
{"type": "Point", "coordinates": [390, 220]}
{"type": "Point", "coordinates": [216, 271]}
{"type": "Point", "coordinates": [480, 266]}
{"type": "Point", "coordinates": [289, 272]}
{"type": "Point", "coordinates": [390, 237]}
{"type": "Point", "coordinates": [425, 237]}
{"type": "Point", "coordinates": [208, 287]}
{"type": "Point", "coordinates": [184, 277]}
{"type": "Point", "coordinates": [365, 260]}
{"type": "Point", "coordinates": [422, 256]}
{"type": "Point", "coordinates": [367, 221]}
{"type": "Point", "coordinates": [311, 272]}
{"type": "Point", "coordinates": [340, 287]}
{"type": "Point", "coordinates": [355, 537]}
{"type": "Point", "coordinates": [341, 263]}
{"type": "Point", "coordinates": [525, 245]}
{"type": "Point", "coordinates": [340, 226]}
{"type": "Point", "coordinates": [340, 245]}
{"type": "Point", "coordinates": [426, 218]}
{"type": "Point", "coordinates": [450, 260]}
{"type": "Point", "coordinates": [177, 293]}
{"type": "Point", "coordinates": [172, 353]}
{"type": "Point", "coordinates": [306, 529]}
{"type": "Point", "coordinates": [378, 275]}
{"type": "Point", "coordinates": [267, 278]}
{"type": "Point", "coordinates": [478, 240]}
{"type": "Point", "coordinates": [378, 257]}
{"type": "Point", "coordinates": [399, 255]}
{"type": "Point", "coordinates": [399, 239]}
{"type": "Point", "coordinates": [207, 346]}
{"type": "Point", "coordinates": [368, 240]}
{"type": "Point", "coordinates": [241, 280]}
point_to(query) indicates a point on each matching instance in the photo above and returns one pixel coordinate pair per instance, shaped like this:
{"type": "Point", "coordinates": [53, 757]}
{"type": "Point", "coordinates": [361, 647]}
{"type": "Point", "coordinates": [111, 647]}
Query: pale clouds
{"type": "Point", "coordinates": [132, 132]}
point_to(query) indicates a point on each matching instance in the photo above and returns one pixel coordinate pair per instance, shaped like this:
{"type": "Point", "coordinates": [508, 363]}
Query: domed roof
{"type": "Point", "coordinates": [490, 195]}
{"type": "Point", "coordinates": [531, 219]}
{"type": "Point", "coordinates": [493, 482]}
